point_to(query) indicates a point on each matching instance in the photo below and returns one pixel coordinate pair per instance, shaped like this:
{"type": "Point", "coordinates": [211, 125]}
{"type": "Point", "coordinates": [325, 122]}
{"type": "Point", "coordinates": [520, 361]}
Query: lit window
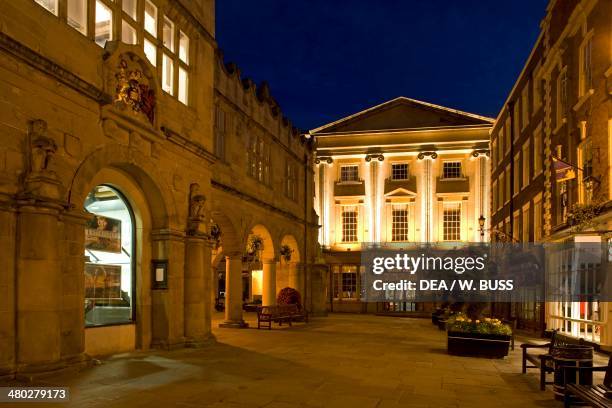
{"type": "Point", "coordinates": [77, 15]}
{"type": "Point", "coordinates": [526, 162]}
{"type": "Point", "coordinates": [109, 266]}
{"type": "Point", "coordinates": [525, 224]}
{"type": "Point", "coordinates": [50, 5]}
{"type": "Point", "coordinates": [345, 279]}
{"type": "Point", "coordinates": [168, 34]}
{"type": "Point", "coordinates": [349, 224]}
{"type": "Point", "coordinates": [399, 171]}
{"type": "Point", "coordinates": [508, 191]}
{"type": "Point", "coordinates": [517, 181]}
{"type": "Point", "coordinates": [150, 18]}
{"type": "Point", "coordinates": [104, 24]}
{"type": "Point", "coordinates": [183, 86]}
{"type": "Point", "coordinates": [167, 77]}
{"type": "Point", "coordinates": [150, 51]}
{"type": "Point", "coordinates": [516, 118]}
{"type": "Point", "coordinates": [537, 220]}
{"type": "Point", "coordinates": [349, 173]}
{"type": "Point", "coordinates": [128, 33]}
{"type": "Point", "coordinates": [537, 152]}
{"type": "Point", "coordinates": [399, 225]}
{"type": "Point", "coordinates": [525, 105]}
{"type": "Point", "coordinates": [130, 7]}
{"type": "Point", "coordinates": [502, 187]}
{"type": "Point", "coordinates": [183, 47]}
{"type": "Point", "coordinates": [495, 195]}
{"type": "Point", "coordinates": [585, 66]}
{"type": "Point", "coordinates": [451, 170]}
{"type": "Point", "coordinates": [452, 222]}
{"type": "Point", "coordinates": [561, 97]}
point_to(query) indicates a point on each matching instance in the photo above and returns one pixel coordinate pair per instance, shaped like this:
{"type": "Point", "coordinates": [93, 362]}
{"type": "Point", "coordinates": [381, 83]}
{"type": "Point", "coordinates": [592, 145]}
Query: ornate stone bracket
{"type": "Point", "coordinates": [325, 159]}
{"type": "Point", "coordinates": [433, 155]}
{"type": "Point", "coordinates": [377, 156]}
{"type": "Point", "coordinates": [478, 152]}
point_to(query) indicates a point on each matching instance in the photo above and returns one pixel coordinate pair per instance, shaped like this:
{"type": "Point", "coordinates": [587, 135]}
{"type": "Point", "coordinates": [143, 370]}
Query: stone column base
{"type": "Point", "coordinates": [199, 342]}
{"type": "Point", "coordinates": [33, 372]}
{"type": "Point", "coordinates": [231, 324]}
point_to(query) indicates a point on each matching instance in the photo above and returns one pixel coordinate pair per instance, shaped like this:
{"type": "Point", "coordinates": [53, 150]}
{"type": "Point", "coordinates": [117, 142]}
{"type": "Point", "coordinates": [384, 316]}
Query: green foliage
{"type": "Point", "coordinates": [461, 323]}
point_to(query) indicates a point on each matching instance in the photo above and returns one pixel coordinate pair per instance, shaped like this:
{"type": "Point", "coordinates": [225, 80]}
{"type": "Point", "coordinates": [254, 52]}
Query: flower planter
{"type": "Point", "coordinates": [442, 323]}
{"type": "Point", "coordinates": [478, 345]}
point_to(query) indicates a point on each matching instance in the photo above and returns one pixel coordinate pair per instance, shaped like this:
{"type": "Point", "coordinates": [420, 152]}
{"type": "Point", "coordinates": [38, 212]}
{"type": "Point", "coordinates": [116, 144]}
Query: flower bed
{"type": "Point", "coordinates": [478, 337]}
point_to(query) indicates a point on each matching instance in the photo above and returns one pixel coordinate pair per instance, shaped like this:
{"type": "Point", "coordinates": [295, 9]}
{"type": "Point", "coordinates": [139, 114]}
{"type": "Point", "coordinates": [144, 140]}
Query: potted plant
{"type": "Point", "coordinates": [286, 252]}
{"type": "Point", "coordinates": [483, 337]}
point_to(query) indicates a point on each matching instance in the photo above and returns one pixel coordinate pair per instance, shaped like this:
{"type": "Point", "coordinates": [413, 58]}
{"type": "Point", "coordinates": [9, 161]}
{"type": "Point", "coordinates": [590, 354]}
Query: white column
{"type": "Point", "coordinates": [269, 282]}
{"type": "Point", "coordinates": [374, 221]}
{"type": "Point", "coordinates": [233, 292]}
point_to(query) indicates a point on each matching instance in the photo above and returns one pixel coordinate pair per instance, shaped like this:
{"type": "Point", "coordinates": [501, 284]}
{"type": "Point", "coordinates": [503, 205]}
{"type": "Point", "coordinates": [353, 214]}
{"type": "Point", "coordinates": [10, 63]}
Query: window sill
{"type": "Point", "coordinates": [453, 179]}
{"type": "Point", "coordinates": [351, 182]}
{"type": "Point", "coordinates": [583, 99]}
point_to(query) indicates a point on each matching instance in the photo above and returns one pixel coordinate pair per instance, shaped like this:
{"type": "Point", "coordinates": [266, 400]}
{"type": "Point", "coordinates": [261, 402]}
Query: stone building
{"type": "Point", "coordinates": [551, 154]}
{"type": "Point", "coordinates": [131, 160]}
{"type": "Point", "coordinates": [399, 172]}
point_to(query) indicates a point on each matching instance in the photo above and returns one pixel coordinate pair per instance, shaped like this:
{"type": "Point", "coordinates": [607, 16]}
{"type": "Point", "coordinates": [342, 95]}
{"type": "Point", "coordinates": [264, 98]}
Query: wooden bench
{"type": "Point", "coordinates": [280, 314]}
{"type": "Point", "coordinates": [594, 395]}
{"type": "Point", "coordinates": [544, 361]}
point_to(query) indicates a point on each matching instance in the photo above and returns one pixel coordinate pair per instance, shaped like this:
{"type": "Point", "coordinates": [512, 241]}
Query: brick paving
{"type": "Point", "coordinates": [338, 361]}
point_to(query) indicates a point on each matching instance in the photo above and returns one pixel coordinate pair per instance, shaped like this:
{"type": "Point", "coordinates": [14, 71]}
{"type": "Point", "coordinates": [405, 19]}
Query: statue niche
{"type": "Point", "coordinates": [196, 211]}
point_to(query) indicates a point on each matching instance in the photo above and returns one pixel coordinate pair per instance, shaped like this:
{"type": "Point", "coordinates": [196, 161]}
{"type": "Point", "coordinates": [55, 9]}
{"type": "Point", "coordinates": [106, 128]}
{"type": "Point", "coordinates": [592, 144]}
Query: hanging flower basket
{"type": "Point", "coordinates": [286, 252]}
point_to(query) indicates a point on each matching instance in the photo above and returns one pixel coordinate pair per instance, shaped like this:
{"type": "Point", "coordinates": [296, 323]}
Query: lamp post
{"type": "Point", "coordinates": [481, 223]}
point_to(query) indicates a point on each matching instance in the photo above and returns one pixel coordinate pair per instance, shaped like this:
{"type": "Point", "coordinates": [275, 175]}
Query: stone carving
{"type": "Point", "coordinates": [196, 209]}
{"type": "Point", "coordinates": [42, 148]}
{"type": "Point", "coordinates": [133, 89]}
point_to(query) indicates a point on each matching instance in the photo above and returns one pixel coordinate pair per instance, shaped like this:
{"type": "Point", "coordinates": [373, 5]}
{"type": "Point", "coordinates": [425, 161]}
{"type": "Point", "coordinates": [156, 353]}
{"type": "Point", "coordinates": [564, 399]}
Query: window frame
{"type": "Point", "coordinates": [400, 163]}
{"type": "Point", "coordinates": [455, 229]}
{"type": "Point", "coordinates": [347, 230]}
{"type": "Point", "coordinates": [460, 168]}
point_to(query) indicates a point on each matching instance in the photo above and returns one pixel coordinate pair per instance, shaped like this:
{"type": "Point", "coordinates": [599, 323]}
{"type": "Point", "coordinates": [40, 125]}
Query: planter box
{"type": "Point", "coordinates": [478, 345]}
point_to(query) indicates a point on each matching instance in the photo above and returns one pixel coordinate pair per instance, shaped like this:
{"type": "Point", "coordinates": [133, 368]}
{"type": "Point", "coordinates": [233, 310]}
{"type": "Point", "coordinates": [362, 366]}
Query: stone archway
{"type": "Point", "coordinates": [290, 272]}
{"type": "Point", "coordinates": [136, 178]}
{"type": "Point", "coordinates": [267, 256]}
{"type": "Point", "coordinates": [229, 249]}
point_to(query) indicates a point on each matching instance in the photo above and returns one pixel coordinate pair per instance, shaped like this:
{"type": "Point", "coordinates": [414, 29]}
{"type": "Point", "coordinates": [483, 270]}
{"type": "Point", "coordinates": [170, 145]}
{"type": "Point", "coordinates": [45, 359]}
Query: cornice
{"type": "Point", "coordinates": [41, 63]}
{"type": "Point", "coordinates": [249, 198]}
{"type": "Point", "coordinates": [189, 145]}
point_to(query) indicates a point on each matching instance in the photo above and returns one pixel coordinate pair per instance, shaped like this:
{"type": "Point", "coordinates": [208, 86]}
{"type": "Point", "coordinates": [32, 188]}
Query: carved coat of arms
{"type": "Point", "coordinates": [134, 91]}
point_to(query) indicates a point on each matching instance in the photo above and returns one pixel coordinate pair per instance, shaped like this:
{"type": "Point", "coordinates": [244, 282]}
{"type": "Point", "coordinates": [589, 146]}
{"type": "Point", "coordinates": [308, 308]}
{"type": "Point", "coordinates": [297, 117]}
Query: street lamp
{"type": "Point", "coordinates": [481, 223]}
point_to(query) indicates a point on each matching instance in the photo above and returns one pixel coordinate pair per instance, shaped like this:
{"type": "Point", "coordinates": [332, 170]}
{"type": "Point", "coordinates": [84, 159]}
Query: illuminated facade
{"type": "Point", "coordinates": [125, 182]}
{"type": "Point", "coordinates": [558, 116]}
{"type": "Point", "coordinates": [403, 171]}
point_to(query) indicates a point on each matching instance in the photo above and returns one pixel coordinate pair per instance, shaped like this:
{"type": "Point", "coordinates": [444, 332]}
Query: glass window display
{"type": "Point", "coordinates": [109, 245]}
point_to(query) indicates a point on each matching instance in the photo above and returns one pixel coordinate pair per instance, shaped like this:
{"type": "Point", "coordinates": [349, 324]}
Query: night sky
{"type": "Point", "coordinates": [325, 59]}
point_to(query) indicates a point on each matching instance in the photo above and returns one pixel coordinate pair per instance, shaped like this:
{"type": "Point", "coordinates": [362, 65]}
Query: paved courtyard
{"type": "Point", "coordinates": [338, 361]}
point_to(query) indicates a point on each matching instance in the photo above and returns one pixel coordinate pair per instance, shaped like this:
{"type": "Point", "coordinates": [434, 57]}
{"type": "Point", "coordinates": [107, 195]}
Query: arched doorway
{"type": "Point", "coordinates": [290, 267]}
{"type": "Point", "coordinates": [109, 258]}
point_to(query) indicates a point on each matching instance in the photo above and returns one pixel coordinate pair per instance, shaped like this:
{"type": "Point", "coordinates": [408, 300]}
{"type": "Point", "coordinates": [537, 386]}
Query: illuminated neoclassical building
{"type": "Point", "coordinates": [399, 172]}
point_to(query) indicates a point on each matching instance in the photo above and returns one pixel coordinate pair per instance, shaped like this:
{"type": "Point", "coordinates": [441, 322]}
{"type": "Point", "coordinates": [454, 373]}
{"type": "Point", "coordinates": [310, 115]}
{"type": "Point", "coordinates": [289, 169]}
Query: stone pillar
{"type": "Point", "coordinates": [269, 282]}
{"type": "Point", "coordinates": [209, 288]}
{"type": "Point", "coordinates": [296, 276]}
{"type": "Point", "coordinates": [8, 220]}
{"type": "Point", "coordinates": [39, 286]}
{"type": "Point", "coordinates": [73, 290]}
{"type": "Point", "coordinates": [233, 292]}
{"type": "Point", "coordinates": [195, 290]}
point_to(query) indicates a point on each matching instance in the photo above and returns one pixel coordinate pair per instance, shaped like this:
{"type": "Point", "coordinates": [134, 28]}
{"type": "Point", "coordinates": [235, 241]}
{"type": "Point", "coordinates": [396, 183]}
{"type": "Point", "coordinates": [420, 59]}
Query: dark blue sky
{"type": "Point", "coordinates": [325, 59]}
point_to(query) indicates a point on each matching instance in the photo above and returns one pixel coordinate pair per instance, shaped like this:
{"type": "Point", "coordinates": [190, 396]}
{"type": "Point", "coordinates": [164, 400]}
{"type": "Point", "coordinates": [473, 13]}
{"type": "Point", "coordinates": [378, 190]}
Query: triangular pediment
{"type": "Point", "coordinates": [403, 113]}
{"type": "Point", "coordinates": [400, 192]}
